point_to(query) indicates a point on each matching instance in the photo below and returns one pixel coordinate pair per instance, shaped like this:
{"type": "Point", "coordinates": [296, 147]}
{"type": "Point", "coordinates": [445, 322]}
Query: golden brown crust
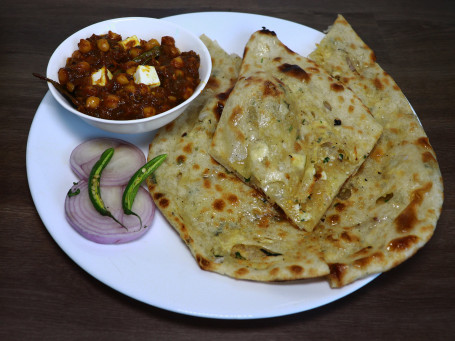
{"type": "Point", "coordinates": [229, 227]}
{"type": "Point", "coordinates": [285, 131]}
{"type": "Point", "coordinates": [381, 216]}
{"type": "Point", "coordinates": [396, 197]}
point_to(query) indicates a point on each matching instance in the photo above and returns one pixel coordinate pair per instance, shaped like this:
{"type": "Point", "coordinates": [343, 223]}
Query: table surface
{"type": "Point", "coordinates": [44, 294]}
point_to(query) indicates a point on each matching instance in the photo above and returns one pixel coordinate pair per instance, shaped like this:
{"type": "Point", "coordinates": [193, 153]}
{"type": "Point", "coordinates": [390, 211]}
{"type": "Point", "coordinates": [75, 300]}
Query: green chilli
{"type": "Point", "coordinates": [147, 56]}
{"type": "Point", "coordinates": [133, 185]}
{"type": "Point", "coordinates": [94, 184]}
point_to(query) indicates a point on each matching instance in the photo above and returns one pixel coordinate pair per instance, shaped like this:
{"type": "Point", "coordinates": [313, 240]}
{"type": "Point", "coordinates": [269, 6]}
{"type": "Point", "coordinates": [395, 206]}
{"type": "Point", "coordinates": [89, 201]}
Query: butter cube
{"type": "Point", "coordinates": [147, 75]}
{"type": "Point", "coordinates": [100, 77]}
{"type": "Point", "coordinates": [130, 42]}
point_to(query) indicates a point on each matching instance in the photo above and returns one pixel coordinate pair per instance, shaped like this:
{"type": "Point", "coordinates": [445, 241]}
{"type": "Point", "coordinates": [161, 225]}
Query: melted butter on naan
{"type": "Point", "coordinates": [229, 227]}
{"type": "Point", "coordinates": [380, 217]}
{"type": "Point", "coordinates": [291, 130]}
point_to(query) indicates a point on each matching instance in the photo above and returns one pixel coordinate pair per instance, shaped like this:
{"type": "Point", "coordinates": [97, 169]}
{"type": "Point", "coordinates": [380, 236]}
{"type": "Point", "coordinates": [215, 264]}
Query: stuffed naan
{"type": "Point", "coordinates": [291, 130]}
{"type": "Point", "coordinates": [380, 217]}
{"type": "Point", "coordinates": [389, 209]}
{"type": "Point", "coordinates": [229, 227]}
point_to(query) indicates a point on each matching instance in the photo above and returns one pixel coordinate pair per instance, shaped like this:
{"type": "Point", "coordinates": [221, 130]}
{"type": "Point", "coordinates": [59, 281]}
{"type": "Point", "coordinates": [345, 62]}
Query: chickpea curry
{"type": "Point", "coordinates": [129, 79]}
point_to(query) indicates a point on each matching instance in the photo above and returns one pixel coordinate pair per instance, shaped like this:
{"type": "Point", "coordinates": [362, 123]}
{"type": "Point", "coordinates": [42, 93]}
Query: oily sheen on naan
{"type": "Point", "coordinates": [229, 227]}
{"type": "Point", "coordinates": [389, 208]}
{"type": "Point", "coordinates": [381, 216]}
{"type": "Point", "coordinates": [291, 130]}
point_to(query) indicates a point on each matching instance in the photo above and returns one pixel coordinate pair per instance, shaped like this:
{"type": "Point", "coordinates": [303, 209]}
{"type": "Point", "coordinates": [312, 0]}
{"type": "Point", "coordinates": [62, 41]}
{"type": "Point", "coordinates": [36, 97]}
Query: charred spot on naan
{"type": "Point", "coordinates": [295, 71]}
{"type": "Point", "coordinates": [337, 272]}
{"type": "Point", "coordinates": [402, 244]}
{"type": "Point", "coordinates": [408, 218]}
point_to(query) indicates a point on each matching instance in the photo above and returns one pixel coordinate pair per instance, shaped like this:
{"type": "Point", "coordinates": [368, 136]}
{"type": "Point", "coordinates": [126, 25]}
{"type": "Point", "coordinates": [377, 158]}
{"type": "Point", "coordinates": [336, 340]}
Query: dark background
{"type": "Point", "coordinates": [44, 295]}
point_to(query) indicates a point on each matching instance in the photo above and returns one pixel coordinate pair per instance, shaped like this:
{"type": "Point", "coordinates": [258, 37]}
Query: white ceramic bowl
{"type": "Point", "coordinates": [143, 28]}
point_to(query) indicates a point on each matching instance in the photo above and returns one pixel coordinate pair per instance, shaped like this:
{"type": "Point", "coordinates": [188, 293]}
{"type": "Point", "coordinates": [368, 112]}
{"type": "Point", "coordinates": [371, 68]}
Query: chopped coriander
{"type": "Point", "coordinates": [327, 159]}
{"type": "Point", "coordinates": [239, 256]}
{"type": "Point", "coordinates": [337, 122]}
{"type": "Point", "coordinates": [340, 156]}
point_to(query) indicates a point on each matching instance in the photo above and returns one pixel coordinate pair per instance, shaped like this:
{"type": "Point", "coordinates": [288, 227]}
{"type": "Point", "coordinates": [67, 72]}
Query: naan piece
{"type": "Point", "coordinates": [291, 130]}
{"type": "Point", "coordinates": [229, 227]}
{"type": "Point", "coordinates": [389, 209]}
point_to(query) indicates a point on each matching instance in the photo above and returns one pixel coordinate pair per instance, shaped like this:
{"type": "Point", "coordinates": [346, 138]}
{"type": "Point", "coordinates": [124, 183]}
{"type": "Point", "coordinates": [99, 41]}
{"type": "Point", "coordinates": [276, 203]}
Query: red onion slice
{"type": "Point", "coordinates": [83, 217]}
{"type": "Point", "coordinates": [126, 161]}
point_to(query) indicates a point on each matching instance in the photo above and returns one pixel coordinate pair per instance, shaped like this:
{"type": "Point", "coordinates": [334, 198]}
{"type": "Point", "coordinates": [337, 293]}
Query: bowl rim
{"type": "Point", "coordinates": [203, 81]}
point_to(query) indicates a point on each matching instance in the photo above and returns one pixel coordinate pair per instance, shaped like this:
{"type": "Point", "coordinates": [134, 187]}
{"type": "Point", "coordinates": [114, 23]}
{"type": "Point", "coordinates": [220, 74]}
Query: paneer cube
{"type": "Point", "coordinates": [147, 75]}
{"type": "Point", "coordinates": [100, 77]}
{"type": "Point", "coordinates": [298, 160]}
{"type": "Point", "coordinates": [130, 42]}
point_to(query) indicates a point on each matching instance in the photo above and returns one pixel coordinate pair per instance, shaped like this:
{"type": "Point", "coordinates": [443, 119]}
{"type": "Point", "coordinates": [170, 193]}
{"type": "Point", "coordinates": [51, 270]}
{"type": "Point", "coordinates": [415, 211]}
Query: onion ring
{"type": "Point", "coordinates": [84, 218]}
{"type": "Point", "coordinates": [126, 161]}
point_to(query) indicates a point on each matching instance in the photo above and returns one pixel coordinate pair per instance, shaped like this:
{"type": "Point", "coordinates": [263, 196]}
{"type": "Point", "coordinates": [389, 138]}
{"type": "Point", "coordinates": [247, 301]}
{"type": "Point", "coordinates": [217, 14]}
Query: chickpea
{"type": "Point", "coordinates": [167, 40]}
{"type": "Point", "coordinates": [173, 51]}
{"type": "Point", "coordinates": [187, 93]}
{"type": "Point", "coordinates": [134, 52]}
{"type": "Point", "coordinates": [172, 98]}
{"type": "Point", "coordinates": [63, 76]}
{"type": "Point", "coordinates": [149, 111]}
{"type": "Point", "coordinates": [131, 70]}
{"type": "Point", "coordinates": [130, 63]}
{"type": "Point", "coordinates": [179, 74]}
{"type": "Point", "coordinates": [83, 67]}
{"type": "Point", "coordinates": [151, 44]}
{"type": "Point", "coordinates": [92, 102]}
{"type": "Point", "coordinates": [177, 62]}
{"type": "Point", "coordinates": [103, 44]}
{"type": "Point", "coordinates": [122, 79]}
{"type": "Point", "coordinates": [76, 54]}
{"type": "Point", "coordinates": [144, 89]}
{"type": "Point", "coordinates": [89, 90]}
{"type": "Point", "coordinates": [84, 46]}
{"type": "Point", "coordinates": [130, 88]}
{"type": "Point", "coordinates": [111, 101]}
{"type": "Point", "coordinates": [70, 86]}
{"type": "Point", "coordinates": [114, 36]}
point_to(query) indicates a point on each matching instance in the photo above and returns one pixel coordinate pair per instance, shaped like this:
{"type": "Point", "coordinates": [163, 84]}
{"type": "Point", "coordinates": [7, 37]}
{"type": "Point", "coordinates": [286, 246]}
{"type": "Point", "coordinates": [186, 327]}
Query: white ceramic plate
{"type": "Point", "coordinates": [158, 269]}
